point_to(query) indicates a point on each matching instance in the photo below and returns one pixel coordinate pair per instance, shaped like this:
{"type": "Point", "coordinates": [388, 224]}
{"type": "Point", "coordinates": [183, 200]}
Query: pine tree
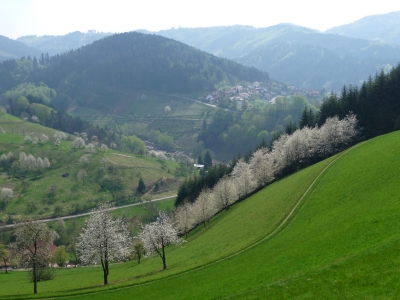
{"type": "Point", "coordinates": [141, 187]}
{"type": "Point", "coordinates": [207, 161]}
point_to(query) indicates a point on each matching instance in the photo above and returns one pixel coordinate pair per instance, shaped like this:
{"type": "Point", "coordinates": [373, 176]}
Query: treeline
{"type": "Point", "coordinates": [376, 104]}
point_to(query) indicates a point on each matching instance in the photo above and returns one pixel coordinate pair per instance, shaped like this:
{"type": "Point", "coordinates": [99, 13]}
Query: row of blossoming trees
{"type": "Point", "coordinates": [288, 154]}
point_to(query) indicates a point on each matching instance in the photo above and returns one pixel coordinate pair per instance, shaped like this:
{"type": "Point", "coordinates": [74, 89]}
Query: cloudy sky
{"type": "Point", "coordinates": [57, 17]}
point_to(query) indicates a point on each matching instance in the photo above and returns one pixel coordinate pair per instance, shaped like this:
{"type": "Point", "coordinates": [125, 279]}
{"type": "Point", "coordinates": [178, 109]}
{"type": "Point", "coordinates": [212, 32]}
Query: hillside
{"type": "Point", "coordinates": [63, 43]}
{"type": "Point", "coordinates": [151, 81]}
{"type": "Point", "coordinates": [58, 190]}
{"type": "Point", "coordinates": [384, 28]}
{"type": "Point", "coordinates": [287, 52]}
{"type": "Point", "coordinates": [341, 241]}
{"type": "Point", "coordinates": [10, 49]}
{"type": "Point", "coordinates": [313, 67]}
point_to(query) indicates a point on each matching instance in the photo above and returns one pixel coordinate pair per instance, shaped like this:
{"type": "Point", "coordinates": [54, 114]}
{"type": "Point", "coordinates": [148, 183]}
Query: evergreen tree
{"type": "Point", "coordinates": [207, 161]}
{"type": "Point", "coordinates": [141, 186]}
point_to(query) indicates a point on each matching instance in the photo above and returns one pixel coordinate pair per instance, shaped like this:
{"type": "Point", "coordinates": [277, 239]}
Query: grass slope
{"type": "Point", "coordinates": [341, 243]}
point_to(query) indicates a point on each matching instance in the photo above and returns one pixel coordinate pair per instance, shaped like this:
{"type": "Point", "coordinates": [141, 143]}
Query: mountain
{"type": "Point", "coordinates": [265, 48]}
{"type": "Point", "coordinates": [384, 28]}
{"type": "Point", "coordinates": [314, 67]}
{"type": "Point", "coordinates": [59, 44]}
{"type": "Point", "coordinates": [10, 49]}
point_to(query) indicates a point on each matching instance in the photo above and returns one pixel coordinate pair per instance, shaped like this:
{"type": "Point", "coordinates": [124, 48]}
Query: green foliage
{"type": "Point", "coordinates": [133, 144]}
{"type": "Point", "coordinates": [376, 103]}
{"type": "Point", "coordinates": [41, 93]}
{"type": "Point", "coordinates": [59, 256]}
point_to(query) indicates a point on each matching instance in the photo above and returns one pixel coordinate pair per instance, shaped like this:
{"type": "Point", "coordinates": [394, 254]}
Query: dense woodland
{"type": "Point", "coordinates": [376, 104]}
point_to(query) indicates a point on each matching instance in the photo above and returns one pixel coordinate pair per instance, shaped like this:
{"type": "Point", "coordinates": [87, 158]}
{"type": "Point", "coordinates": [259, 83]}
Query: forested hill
{"type": "Point", "coordinates": [10, 49]}
{"type": "Point", "coordinates": [136, 61]}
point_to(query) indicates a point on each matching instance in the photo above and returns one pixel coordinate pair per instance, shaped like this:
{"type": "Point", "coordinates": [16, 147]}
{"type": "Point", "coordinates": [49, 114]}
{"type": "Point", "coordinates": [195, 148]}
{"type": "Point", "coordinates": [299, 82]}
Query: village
{"type": "Point", "coordinates": [239, 97]}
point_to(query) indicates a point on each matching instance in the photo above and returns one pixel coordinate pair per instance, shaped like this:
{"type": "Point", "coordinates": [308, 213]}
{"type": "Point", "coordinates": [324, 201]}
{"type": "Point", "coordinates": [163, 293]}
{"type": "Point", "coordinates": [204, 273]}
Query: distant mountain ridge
{"type": "Point", "coordinates": [62, 43]}
{"type": "Point", "coordinates": [291, 53]}
{"type": "Point", "coordinates": [384, 28]}
{"type": "Point", "coordinates": [10, 49]}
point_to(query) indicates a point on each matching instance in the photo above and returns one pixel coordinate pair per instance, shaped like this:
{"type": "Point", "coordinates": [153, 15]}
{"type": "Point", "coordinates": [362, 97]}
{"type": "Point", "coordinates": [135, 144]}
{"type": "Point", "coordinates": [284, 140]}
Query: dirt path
{"type": "Point", "coordinates": [89, 213]}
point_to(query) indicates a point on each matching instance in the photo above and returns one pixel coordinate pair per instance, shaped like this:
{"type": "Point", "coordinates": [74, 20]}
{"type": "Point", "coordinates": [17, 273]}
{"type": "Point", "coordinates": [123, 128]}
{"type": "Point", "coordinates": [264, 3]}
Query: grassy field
{"type": "Point", "coordinates": [342, 242]}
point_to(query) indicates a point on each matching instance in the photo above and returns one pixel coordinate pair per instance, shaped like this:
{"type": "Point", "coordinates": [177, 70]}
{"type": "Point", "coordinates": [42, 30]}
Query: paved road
{"type": "Point", "coordinates": [89, 213]}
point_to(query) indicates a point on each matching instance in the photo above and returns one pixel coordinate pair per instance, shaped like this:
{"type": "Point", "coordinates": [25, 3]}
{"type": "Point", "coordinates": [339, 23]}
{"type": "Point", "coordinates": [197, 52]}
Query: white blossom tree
{"type": "Point", "coordinates": [203, 207]}
{"type": "Point", "coordinates": [59, 135]}
{"type": "Point", "coordinates": [43, 139]}
{"type": "Point", "coordinates": [32, 241]}
{"type": "Point", "coordinates": [244, 178]}
{"type": "Point", "coordinates": [78, 143]}
{"type": "Point", "coordinates": [35, 119]}
{"type": "Point", "coordinates": [103, 147]}
{"type": "Point", "coordinates": [225, 193]}
{"type": "Point", "coordinates": [2, 130]}
{"type": "Point", "coordinates": [158, 235]}
{"type": "Point", "coordinates": [46, 163]}
{"type": "Point", "coordinates": [6, 194]}
{"type": "Point", "coordinates": [184, 218]}
{"type": "Point", "coordinates": [104, 239]}
{"type": "Point", "coordinates": [31, 162]}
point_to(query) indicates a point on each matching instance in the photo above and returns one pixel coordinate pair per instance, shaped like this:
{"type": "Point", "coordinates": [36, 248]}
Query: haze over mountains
{"type": "Point", "coordinates": [300, 56]}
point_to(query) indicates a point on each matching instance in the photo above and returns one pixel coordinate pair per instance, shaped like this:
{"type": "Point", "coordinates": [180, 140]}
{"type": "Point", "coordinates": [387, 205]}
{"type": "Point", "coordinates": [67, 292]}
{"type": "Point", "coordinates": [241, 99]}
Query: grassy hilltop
{"type": "Point", "coordinates": [341, 241]}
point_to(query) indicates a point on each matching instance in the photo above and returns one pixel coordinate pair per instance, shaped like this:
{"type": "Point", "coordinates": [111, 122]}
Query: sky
{"type": "Point", "coordinates": [59, 17]}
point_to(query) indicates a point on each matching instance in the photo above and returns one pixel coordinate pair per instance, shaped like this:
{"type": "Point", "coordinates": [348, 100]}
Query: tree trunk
{"type": "Point", "coordinates": [5, 265]}
{"type": "Point", "coordinates": [34, 279]}
{"type": "Point", "coordinates": [163, 258]}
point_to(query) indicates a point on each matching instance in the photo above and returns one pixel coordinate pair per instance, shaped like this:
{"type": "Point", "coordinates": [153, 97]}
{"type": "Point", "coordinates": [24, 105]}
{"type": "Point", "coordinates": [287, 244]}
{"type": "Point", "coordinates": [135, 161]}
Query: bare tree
{"type": "Point", "coordinates": [158, 235]}
{"type": "Point", "coordinates": [104, 239]}
{"type": "Point", "coordinates": [32, 241]}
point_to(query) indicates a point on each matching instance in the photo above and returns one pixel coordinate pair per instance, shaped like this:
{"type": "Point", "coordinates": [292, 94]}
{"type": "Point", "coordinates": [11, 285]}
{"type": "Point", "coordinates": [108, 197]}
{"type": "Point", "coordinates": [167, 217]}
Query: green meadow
{"type": "Point", "coordinates": [342, 241]}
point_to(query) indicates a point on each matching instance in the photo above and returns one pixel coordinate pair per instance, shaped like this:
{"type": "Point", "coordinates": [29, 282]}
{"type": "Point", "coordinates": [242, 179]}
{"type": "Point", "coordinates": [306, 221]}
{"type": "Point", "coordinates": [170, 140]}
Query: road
{"type": "Point", "coordinates": [89, 213]}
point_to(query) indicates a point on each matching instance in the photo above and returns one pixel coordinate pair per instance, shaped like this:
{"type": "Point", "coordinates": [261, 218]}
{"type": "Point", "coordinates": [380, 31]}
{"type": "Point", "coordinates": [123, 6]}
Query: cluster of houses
{"type": "Point", "coordinates": [239, 95]}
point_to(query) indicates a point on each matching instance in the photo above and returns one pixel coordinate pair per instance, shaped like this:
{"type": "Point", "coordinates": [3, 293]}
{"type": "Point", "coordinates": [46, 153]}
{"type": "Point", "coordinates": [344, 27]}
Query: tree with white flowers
{"type": "Point", "coordinates": [203, 207]}
{"type": "Point", "coordinates": [104, 239]}
{"type": "Point", "coordinates": [6, 194]}
{"type": "Point", "coordinates": [158, 235]}
{"type": "Point", "coordinates": [225, 193]}
{"type": "Point", "coordinates": [184, 218]}
{"type": "Point", "coordinates": [32, 241]}
{"type": "Point", "coordinates": [78, 143]}
{"type": "Point", "coordinates": [59, 135]}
